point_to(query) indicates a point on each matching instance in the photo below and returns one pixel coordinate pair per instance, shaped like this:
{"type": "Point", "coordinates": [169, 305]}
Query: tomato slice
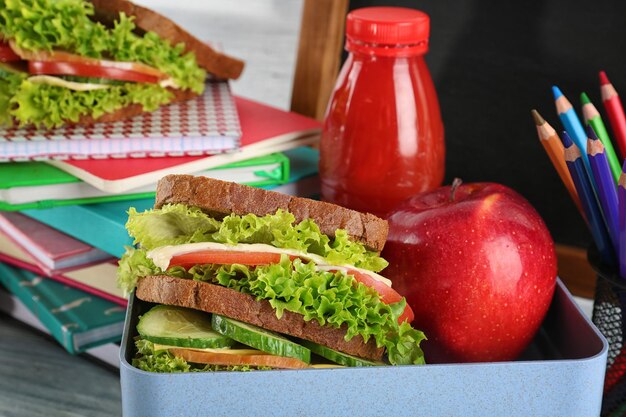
{"type": "Point", "coordinates": [387, 294]}
{"type": "Point", "coordinates": [62, 56]}
{"type": "Point", "coordinates": [88, 70]}
{"type": "Point", "coordinates": [226, 257]}
{"type": "Point", "coordinates": [7, 54]}
{"type": "Point", "coordinates": [216, 358]}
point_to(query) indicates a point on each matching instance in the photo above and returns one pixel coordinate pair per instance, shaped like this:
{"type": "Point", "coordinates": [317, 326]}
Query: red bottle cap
{"type": "Point", "coordinates": [387, 31]}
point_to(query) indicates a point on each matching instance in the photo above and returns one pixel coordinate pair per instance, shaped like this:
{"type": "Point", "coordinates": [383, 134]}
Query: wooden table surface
{"type": "Point", "coordinates": [37, 376]}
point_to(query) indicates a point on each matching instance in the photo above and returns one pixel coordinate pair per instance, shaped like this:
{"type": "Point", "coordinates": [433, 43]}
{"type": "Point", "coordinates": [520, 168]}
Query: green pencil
{"type": "Point", "coordinates": [592, 118]}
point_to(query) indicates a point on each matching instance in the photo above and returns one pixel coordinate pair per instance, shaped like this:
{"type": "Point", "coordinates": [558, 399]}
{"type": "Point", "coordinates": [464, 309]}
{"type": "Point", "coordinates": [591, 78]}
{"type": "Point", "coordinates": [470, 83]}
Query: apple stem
{"type": "Point", "coordinates": [456, 183]}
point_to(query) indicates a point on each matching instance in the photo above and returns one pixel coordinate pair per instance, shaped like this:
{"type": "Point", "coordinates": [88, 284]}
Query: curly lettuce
{"type": "Point", "coordinates": [174, 224]}
{"type": "Point", "coordinates": [177, 224]}
{"type": "Point", "coordinates": [49, 106]}
{"type": "Point", "coordinates": [46, 25]}
{"type": "Point", "coordinates": [134, 264]}
{"type": "Point", "coordinates": [10, 82]}
{"type": "Point", "coordinates": [151, 360]}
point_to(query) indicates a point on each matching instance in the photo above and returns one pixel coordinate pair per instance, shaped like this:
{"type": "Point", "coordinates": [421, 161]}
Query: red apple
{"type": "Point", "coordinates": [477, 266]}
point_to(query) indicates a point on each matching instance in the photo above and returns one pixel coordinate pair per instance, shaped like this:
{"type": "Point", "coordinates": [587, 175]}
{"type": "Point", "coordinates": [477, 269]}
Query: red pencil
{"type": "Point", "coordinates": [615, 111]}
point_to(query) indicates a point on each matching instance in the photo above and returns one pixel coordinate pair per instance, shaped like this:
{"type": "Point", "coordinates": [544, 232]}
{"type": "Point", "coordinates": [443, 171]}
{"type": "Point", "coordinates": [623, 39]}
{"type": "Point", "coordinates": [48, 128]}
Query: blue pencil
{"type": "Point", "coordinates": [574, 161]}
{"type": "Point", "coordinates": [621, 191]}
{"type": "Point", "coordinates": [571, 122]}
{"type": "Point", "coordinates": [606, 192]}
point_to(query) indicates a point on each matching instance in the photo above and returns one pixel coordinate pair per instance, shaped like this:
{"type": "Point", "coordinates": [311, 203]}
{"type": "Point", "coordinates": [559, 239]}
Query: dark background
{"type": "Point", "coordinates": [494, 61]}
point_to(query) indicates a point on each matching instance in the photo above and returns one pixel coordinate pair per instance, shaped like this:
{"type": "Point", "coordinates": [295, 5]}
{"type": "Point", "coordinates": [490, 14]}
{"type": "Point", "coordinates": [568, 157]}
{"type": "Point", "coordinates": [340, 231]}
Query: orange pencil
{"type": "Point", "coordinates": [615, 111]}
{"type": "Point", "coordinates": [554, 148]}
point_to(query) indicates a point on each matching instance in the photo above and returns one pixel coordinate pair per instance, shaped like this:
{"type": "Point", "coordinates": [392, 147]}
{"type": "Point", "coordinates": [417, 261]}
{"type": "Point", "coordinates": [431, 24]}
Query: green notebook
{"type": "Point", "coordinates": [76, 319]}
{"type": "Point", "coordinates": [28, 185]}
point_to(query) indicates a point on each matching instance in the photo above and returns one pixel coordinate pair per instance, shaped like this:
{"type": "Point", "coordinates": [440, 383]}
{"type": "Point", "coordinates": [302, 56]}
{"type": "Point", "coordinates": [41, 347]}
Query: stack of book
{"type": "Point", "coordinates": [63, 207]}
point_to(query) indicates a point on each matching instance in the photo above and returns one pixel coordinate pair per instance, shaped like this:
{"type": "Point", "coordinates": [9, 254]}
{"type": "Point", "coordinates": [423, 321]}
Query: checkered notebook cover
{"type": "Point", "coordinates": [205, 125]}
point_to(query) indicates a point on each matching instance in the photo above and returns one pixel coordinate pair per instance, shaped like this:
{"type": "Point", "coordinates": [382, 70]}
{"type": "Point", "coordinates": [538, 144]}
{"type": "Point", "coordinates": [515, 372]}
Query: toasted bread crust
{"type": "Point", "coordinates": [220, 198]}
{"type": "Point", "coordinates": [216, 63]}
{"type": "Point", "coordinates": [216, 299]}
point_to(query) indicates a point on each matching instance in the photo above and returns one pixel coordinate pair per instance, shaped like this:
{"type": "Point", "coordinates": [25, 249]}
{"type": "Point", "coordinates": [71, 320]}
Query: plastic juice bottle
{"type": "Point", "coordinates": [382, 138]}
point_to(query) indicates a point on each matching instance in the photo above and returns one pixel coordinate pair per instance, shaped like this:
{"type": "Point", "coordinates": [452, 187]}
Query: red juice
{"type": "Point", "coordinates": [383, 137]}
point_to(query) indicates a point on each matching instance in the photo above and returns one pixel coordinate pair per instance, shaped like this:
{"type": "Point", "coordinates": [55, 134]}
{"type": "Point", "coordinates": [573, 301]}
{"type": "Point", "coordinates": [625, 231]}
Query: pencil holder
{"type": "Point", "coordinates": [609, 316]}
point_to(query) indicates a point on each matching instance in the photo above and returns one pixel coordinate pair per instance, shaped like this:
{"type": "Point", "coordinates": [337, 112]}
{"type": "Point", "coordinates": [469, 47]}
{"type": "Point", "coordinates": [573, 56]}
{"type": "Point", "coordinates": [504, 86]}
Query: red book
{"type": "Point", "coordinates": [52, 250]}
{"type": "Point", "coordinates": [265, 129]}
{"type": "Point", "coordinates": [98, 279]}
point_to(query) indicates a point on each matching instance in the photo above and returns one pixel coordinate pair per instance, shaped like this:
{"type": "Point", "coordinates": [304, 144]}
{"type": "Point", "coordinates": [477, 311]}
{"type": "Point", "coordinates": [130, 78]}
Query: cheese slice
{"type": "Point", "coordinates": [80, 86]}
{"type": "Point", "coordinates": [163, 255]}
{"type": "Point", "coordinates": [71, 85]}
{"type": "Point", "coordinates": [326, 366]}
{"type": "Point", "coordinates": [168, 82]}
{"type": "Point", "coordinates": [228, 351]}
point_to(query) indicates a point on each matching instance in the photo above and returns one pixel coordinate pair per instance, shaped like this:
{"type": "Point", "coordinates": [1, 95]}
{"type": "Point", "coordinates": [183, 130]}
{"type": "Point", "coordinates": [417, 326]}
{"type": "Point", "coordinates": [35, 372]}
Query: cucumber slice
{"type": "Point", "coordinates": [182, 327]}
{"type": "Point", "coordinates": [338, 357]}
{"type": "Point", "coordinates": [259, 338]}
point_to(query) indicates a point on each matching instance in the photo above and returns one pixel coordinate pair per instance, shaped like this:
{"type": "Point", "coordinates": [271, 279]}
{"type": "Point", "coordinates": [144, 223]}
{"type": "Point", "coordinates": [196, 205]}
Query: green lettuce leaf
{"type": "Point", "coordinates": [171, 225]}
{"type": "Point", "coordinates": [157, 361]}
{"type": "Point", "coordinates": [156, 52]}
{"type": "Point", "coordinates": [177, 224]}
{"type": "Point", "coordinates": [344, 250]}
{"type": "Point", "coordinates": [134, 264]}
{"type": "Point", "coordinates": [51, 106]}
{"type": "Point", "coordinates": [10, 82]}
{"type": "Point", "coordinates": [46, 25]}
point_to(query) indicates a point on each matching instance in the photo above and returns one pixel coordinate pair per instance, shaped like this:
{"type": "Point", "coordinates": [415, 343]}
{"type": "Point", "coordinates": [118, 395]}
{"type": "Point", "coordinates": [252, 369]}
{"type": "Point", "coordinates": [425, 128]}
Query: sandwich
{"type": "Point", "coordinates": [242, 277]}
{"type": "Point", "coordinates": [79, 62]}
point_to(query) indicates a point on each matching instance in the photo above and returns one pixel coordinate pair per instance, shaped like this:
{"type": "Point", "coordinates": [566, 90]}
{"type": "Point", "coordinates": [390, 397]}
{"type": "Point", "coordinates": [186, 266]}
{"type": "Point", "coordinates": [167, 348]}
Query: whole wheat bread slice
{"type": "Point", "coordinates": [220, 198]}
{"type": "Point", "coordinates": [216, 299]}
{"type": "Point", "coordinates": [216, 63]}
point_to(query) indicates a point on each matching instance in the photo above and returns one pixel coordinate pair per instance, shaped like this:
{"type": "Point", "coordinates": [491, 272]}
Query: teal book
{"type": "Point", "coordinates": [102, 225]}
{"type": "Point", "coordinates": [77, 320]}
{"type": "Point", "coordinates": [30, 185]}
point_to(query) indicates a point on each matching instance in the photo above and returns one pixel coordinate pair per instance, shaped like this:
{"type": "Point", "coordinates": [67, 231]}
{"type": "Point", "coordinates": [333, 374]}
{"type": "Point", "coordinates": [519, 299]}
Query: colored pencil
{"type": "Point", "coordinates": [571, 122]}
{"type": "Point", "coordinates": [574, 161]}
{"type": "Point", "coordinates": [621, 191]}
{"type": "Point", "coordinates": [615, 111]}
{"type": "Point", "coordinates": [554, 148]}
{"type": "Point", "coordinates": [592, 118]}
{"type": "Point", "coordinates": [605, 191]}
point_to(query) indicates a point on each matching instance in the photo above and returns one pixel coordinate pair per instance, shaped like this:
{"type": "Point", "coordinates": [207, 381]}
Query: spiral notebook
{"type": "Point", "coordinates": [205, 125]}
